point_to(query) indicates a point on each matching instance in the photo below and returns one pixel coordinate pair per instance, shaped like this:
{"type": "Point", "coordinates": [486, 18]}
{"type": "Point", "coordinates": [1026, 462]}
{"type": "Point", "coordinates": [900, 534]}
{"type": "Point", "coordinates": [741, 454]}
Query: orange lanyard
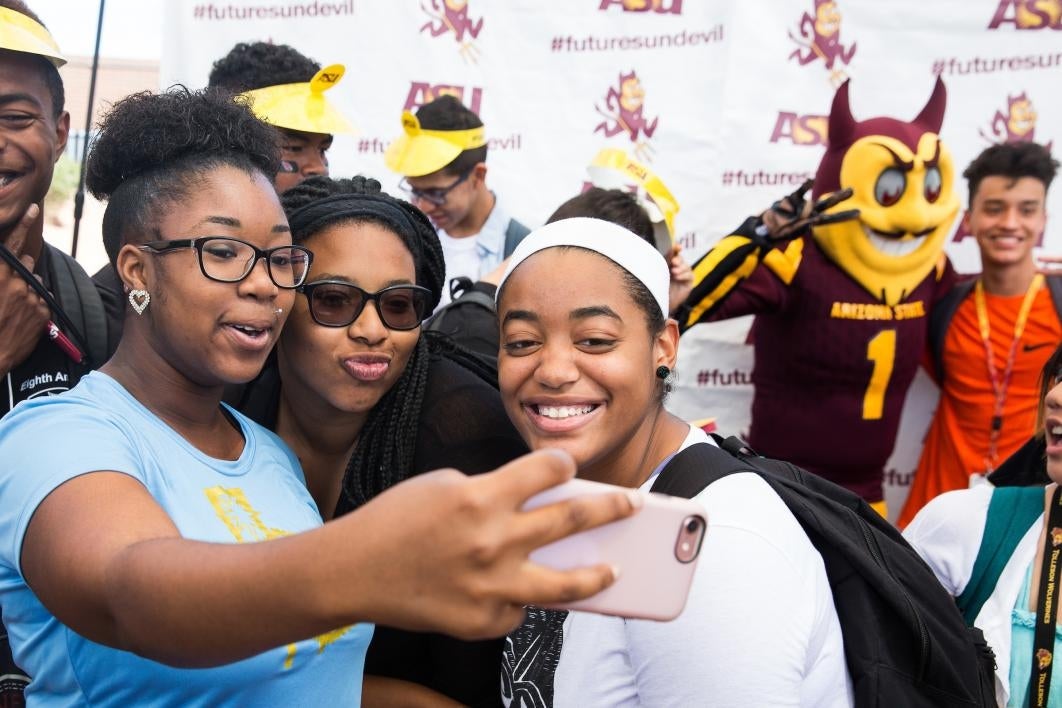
{"type": "Point", "coordinates": [999, 385]}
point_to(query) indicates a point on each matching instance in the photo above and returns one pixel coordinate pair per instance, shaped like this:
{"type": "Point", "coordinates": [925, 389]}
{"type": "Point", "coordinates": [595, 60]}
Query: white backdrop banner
{"type": "Point", "coordinates": [725, 101]}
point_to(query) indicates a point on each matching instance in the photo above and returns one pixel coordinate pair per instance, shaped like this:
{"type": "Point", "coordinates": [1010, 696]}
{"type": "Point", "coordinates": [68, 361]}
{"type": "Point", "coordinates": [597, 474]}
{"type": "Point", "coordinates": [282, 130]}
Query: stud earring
{"type": "Point", "coordinates": [662, 372]}
{"type": "Point", "coordinates": [278, 311]}
{"type": "Point", "coordinates": [139, 299]}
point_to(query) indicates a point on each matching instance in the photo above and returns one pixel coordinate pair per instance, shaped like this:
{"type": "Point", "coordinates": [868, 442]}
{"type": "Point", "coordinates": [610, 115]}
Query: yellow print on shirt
{"type": "Point", "coordinates": [242, 520]}
{"type": "Point", "coordinates": [245, 524]}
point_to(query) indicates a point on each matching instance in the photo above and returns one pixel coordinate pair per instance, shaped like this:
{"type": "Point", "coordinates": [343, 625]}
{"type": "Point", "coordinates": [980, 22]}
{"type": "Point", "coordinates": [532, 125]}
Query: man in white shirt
{"type": "Point", "coordinates": [442, 156]}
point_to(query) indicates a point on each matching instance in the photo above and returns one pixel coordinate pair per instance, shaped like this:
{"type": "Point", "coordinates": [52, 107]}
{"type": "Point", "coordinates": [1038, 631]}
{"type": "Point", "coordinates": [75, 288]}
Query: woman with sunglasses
{"type": "Point", "coordinates": [158, 548]}
{"type": "Point", "coordinates": [366, 400]}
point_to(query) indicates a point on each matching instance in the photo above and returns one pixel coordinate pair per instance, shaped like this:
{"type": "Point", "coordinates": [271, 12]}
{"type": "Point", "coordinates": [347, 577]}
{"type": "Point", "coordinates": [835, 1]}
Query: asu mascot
{"type": "Point", "coordinates": [841, 312]}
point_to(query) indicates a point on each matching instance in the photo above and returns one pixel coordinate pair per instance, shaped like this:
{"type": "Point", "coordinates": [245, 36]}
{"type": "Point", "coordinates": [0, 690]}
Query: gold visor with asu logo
{"type": "Point", "coordinates": [418, 151]}
{"type": "Point", "coordinates": [613, 168]}
{"type": "Point", "coordinates": [302, 106]}
{"type": "Point", "coordinates": [19, 33]}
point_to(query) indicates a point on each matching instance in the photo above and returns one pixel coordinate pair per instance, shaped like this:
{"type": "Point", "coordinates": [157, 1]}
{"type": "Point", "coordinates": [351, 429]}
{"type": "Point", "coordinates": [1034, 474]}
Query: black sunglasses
{"type": "Point", "coordinates": [334, 303]}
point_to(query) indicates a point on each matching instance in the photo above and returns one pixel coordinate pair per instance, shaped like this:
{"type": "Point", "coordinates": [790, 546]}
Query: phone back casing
{"type": "Point", "coordinates": [653, 583]}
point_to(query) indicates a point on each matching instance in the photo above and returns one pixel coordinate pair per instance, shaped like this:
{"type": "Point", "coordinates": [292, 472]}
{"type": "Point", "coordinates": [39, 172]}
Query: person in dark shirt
{"type": "Point", "coordinates": [366, 400]}
{"type": "Point", "coordinates": [34, 129]}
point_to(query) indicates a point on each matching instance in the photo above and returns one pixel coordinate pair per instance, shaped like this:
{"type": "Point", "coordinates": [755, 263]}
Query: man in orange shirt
{"type": "Point", "coordinates": [990, 336]}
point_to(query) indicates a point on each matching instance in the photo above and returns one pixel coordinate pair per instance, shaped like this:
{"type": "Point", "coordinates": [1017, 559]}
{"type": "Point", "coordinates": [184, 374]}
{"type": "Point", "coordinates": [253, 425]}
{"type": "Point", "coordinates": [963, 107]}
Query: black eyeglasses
{"type": "Point", "coordinates": [230, 260]}
{"type": "Point", "coordinates": [334, 303]}
{"type": "Point", "coordinates": [435, 195]}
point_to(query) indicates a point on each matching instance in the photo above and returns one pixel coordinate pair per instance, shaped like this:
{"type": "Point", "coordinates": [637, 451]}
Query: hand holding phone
{"type": "Point", "coordinates": [655, 552]}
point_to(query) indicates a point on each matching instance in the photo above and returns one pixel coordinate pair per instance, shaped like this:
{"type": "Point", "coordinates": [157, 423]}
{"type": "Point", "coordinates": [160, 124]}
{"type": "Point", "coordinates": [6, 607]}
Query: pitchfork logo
{"type": "Point", "coordinates": [820, 40]}
{"type": "Point", "coordinates": [450, 17]}
{"type": "Point", "coordinates": [1014, 124]}
{"type": "Point", "coordinates": [624, 113]}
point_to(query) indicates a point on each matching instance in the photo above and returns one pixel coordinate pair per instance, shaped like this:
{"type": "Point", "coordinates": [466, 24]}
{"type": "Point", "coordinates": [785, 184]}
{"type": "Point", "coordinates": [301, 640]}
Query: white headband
{"type": "Point", "coordinates": [614, 242]}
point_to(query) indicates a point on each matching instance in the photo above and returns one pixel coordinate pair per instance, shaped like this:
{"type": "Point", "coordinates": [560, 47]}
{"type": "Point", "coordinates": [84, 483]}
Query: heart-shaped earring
{"type": "Point", "coordinates": [139, 299]}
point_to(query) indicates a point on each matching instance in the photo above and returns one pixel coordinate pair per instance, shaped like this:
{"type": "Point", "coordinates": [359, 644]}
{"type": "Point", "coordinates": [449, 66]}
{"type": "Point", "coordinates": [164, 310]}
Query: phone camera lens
{"type": "Point", "coordinates": [693, 525]}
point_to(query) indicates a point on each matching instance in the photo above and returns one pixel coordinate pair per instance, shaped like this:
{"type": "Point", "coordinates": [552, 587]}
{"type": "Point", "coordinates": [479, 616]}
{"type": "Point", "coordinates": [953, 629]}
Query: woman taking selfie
{"type": "Point", "coordinates": [952, 533]}
{"type": "Point", "coordinates": [148, 530]}
{"type": "Point", "coordinates": [585, 357]}
{"type": "Point", "coordinates": [366, 400]}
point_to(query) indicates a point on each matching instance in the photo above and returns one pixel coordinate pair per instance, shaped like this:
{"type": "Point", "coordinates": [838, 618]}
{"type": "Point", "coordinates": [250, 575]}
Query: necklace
{"type": "Point", "coordinates": [1001, 383]}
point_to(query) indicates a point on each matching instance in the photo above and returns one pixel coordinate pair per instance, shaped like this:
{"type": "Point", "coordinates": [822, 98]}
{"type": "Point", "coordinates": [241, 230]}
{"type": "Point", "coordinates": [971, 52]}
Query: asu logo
{"type": "Point", "coordinates": [1028, 14]}
{"type": "Point", "coordinates": [1015, 124]}
{"type": "Point", "coordinates": [659, 6]}
{"type": "Point", "coordinates": [820, 38]}
{"type": "Point", "coordinates": [451, 17]}
{"type": "Point", "coordinates": [800, 129]}
{"type": "Point", "coordinates": [421, 92]}
{"type": "Point", "coordinates": [624, 113]}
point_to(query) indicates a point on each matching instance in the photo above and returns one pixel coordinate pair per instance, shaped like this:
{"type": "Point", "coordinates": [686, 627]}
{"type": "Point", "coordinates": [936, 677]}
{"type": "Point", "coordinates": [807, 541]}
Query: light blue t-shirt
{"type": "Point", "coordinates": [98, 426]}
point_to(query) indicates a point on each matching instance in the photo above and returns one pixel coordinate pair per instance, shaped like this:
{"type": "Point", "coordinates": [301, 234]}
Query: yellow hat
{"type": "Point", "coordinates": [419, 152]}
{"type": "Point", "coordinates": [302, 106]}
{"type": "Point", "coordinates": [612, 168]}
{"type": "Point", "coordinates": [20, 33]}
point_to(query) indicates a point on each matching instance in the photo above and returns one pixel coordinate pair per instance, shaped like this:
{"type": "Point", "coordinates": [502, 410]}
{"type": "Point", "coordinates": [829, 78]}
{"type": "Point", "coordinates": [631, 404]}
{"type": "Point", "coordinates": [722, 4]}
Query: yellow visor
{"type": "Point", "coordinates": [612, 168]}
{"type": "Point", "coordinates": [418, 152]}
{"type": "Point", "coordinates": [302, 106]}
{"type": "Point", "coordinates": [19, 33]}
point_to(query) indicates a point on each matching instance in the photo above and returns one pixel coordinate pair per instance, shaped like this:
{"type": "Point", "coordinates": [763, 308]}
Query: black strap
{"type": "Point", "coordinates": [1046, 606]}
{"type": "Point", "coordinates": [939, 319]}
{"type": "Point", "coordinates": [1054, 286]}
{"type": "Point", "coordinates": [514, 234]}
{"type": "Point", "coordinates": [64, 320]}
{"type": "Point", "coordinates": [689, 471]}
{"type": "Point", "coordinates": [83, 303]}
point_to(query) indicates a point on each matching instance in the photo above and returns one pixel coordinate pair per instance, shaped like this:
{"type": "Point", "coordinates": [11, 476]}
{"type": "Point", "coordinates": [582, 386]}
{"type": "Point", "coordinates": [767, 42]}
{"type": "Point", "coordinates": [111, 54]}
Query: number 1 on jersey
{"type": "Point", "coordinates": [881, 351]}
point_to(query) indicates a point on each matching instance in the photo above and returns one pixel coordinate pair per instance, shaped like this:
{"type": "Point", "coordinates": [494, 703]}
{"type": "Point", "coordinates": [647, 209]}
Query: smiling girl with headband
{"type": "Point", "coordinates": [586, 357]}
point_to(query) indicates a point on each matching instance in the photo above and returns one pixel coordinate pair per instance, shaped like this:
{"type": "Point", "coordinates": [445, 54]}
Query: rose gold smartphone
{"type": "Point", "coordinates": [655, 550]}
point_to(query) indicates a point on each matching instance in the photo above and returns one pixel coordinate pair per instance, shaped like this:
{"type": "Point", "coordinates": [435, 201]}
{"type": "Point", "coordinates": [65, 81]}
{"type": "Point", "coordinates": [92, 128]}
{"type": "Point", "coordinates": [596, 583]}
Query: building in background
{"type": "Point", "coordinates": [115, 79]}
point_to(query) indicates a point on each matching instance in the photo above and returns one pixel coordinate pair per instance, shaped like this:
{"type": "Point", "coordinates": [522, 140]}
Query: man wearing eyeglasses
{"type": "Point", "coordinates": [442, 156]}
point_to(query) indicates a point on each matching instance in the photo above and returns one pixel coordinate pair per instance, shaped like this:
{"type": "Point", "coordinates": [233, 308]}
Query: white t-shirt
{"type": "Point", "coordinates": [475, 256]}
{"type": "Point", "coordinates": [759, 628]}
{"type": "Point", "coordinates": [462, 259]}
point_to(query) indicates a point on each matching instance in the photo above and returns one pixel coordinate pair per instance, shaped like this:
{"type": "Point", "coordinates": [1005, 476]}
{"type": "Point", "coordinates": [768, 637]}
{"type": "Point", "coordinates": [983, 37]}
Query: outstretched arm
{"type": "Point", "coordinates": [441, 552]}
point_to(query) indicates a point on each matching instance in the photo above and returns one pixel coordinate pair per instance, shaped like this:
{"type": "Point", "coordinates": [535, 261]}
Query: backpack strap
{"type": "Point", "coordinates": [1054, 286]}
{"type": "Point", "coordinates": [690, 471]}
{"type": "Point", "coordinates": [939, 319]}
{"type": "Point", "coordinates": [1010, 514]}
{"type": "Point", "coordinates": [514, 234]}
{"type": "Point", "coordinates": [82, 302]}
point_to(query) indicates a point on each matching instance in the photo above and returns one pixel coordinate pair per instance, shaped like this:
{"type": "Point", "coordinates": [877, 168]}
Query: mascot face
{"type": "Point", "coordinates": [827, 19]}
{"type": "Point", "coordinates": [1022, 118]}
{"type": "Point", "coordinates": [902, 178]}
{"type": "Point", "coordinates": [631, 93]}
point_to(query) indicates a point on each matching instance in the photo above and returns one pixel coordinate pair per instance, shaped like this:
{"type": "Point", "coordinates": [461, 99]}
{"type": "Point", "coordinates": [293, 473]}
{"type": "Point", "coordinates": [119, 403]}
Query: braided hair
{"type": "Point", "coordinates": [383, 455]}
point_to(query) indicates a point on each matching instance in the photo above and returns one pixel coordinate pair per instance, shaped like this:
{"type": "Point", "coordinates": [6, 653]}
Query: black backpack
{"type": "Point", "coordinates": [905, 641]}
{"type": "Point", "coordinates": [470, 318]}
